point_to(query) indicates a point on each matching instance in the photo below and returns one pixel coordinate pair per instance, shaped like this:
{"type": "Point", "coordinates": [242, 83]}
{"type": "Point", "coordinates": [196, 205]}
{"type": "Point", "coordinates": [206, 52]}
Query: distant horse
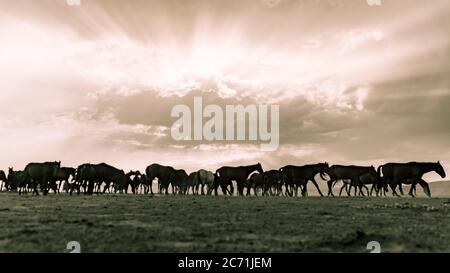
{"type": "Point", "coordinates": [298, 176]}
{"type": "Point", "coordinates": [189, 183]}
{"type": "Point", "coordinates": [180, 179]}
{"type": "Point", "coordinates": [104, 173]}
{"type": "Point", "coordinates": [147, 183]}
{"type": "Point", "coordinates": [349, 173]}
{"type": "Point", "coordinates": [165, 174]}
{"type": "Point", "coordinates": [238, 174]}
{"type": "Point", "coordinates": [365, 179]}
{"type": "Point", "coordinates": [256, 181]}
{"type": "Point", "coordinates": [19, 180]}
{"type": "Point", "coordinates": [92, 176]}
{"type": "Point", "coordinates": [43, 174]}
{"type": "Point", "coordinates": [82, 178]}
{"type": "Point", "coordinates": [394, 174]}
{"type": "Point", "coordinates": [205, 179]}
{"type": "Point", "coordinates": [272, 182]}
{"type": "Point", "coordinates": [132, 183]}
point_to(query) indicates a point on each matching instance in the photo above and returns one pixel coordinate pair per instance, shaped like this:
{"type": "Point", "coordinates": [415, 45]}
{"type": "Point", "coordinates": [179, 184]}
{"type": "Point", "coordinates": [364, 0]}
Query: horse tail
{"type": "Point", "coordinates": [379, 181]}
{"type": "Point", "coordinates": [281, 175]}
{"type": "Point", "coordinates": [216, 178]}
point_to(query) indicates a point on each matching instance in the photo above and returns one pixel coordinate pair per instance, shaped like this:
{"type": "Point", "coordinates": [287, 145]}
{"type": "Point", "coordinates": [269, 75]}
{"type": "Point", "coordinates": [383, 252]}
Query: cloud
{"type": "Point", "coordinates": [97, 83]}
{"type": "Point", "coordinates": [358, 38]}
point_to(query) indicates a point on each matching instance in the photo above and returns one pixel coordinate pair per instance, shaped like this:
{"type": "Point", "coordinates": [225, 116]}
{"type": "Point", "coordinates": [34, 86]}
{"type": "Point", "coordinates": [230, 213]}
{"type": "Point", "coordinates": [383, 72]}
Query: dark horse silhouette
{"type": "Point", "coordinates": [42, 173]}
{"type": "Point", "coordinates": [366, 179]}
{"type": "Point", "coordinates": [272, 182]}
{"type": "Point", "coordinates": [166, 176]}
{"type": "Point", "coordinates": [394, 174]}
{"type": "Point", "coordinates": [300, 175]}
{"type": "Point", "coordinates": [90, 175]}
{"type": "Point", "coordinates": [239, 174]}
{"type": "Point", "coordinates": [129, 182]}
{"type": "Point", "coordinates": [352, 173]}
{"type": "Point", "coordinates": [18, 180]}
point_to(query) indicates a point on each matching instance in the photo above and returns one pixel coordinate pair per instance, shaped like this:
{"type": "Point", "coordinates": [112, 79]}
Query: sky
{"type": "Point", "coordinates": [355, 84]}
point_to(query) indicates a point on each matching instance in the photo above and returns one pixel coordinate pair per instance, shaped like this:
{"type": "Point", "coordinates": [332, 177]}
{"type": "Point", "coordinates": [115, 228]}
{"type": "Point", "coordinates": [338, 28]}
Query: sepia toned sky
{"type": "Point", "coordinates": [356, 84]}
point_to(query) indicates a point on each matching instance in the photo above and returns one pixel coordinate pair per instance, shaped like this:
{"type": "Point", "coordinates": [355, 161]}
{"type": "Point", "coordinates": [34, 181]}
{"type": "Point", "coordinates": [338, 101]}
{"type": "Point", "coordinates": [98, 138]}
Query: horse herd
{"type": "Point", "coordinates": [288, 180]}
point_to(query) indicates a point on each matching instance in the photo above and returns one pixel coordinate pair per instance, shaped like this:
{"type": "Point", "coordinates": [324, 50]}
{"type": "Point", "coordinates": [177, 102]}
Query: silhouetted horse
{"type": "Point", "coordinates": [90, 175]}
{"type": "Point", "coordinates": [147, 183]}
{"type": "Point", "coordinates": [108, 174]}
{"type": "Point", "coordinates": [18, 180]}
{"type": "Point", "coordinates": [205, 178]}
{"type": "Point", "coordinates": [300, 175]}
{"type": "Point", "coordinates": [272, 182]}
{"type": "Point", "coordinates": [223, 184]}
{"type": "Point", "coordinates": [238, 174]}
{"type": "Point", "coordinates": [188, 184]}
{"type": "Point", "coordinates": [180, 179]}
{"type": "Point", "coordinates": [42, 174]}
{"type": "Point", "coordinates": [366, 179]}
{"type": "Point", "coordinates": [394, 174]}
{"type": "Point", "coordinates": [165, 175]}
{"type": "Point", "coordinates": [351, 173]}
{"type": "Point", "coordinates": [82, 178]}
{"type": "Point", "coordinates": [256, 181]}
{"type": "Point", "coordinates": [132, 183]}
{"type": "Point", "coordinates": [4, 180]}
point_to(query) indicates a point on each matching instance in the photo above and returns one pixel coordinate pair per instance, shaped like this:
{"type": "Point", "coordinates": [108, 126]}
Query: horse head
{"type": "Point", "coordinates": [324, 168]}
{"type": "Point", "coordinates": [373, 171]}
{"type": "Point", "coordinates": [440, 170]}
{"type": "Point", "coordinates": [259, 168]}
{"type": "Point", "coordinates": [56, 166]}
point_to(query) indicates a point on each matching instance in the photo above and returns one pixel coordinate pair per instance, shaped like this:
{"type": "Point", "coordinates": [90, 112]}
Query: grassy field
{"type": "Point", "coordinates": [119, 223]}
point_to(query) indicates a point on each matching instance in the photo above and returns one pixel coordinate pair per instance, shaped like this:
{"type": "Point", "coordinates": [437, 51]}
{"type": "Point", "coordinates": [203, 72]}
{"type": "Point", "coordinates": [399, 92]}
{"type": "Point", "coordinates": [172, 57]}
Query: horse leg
{"type": "Point", "coordinates": [287, 190]}
{"type": "Point", "coordinates": [425, 186]}
{"type": "Point", "coordinates": [342, 188]}
{"type": "Point", "coordinates": [348, 188]}
{"type": "Point", "coordinates": [400, 187]}
{"type": "Point", "coordinates": [240, 187]}
{"type": "Point", "coordinates": [330, 187]}
{"type": "Point", "coordinates": [35, 190]}
{"type": "Point", "coordinates": [393, 187]}
{"type": "Point", "coordinates": [232, 188]}
{"type": "Point", "coordinates": [45, 185]}
{"type": "Point", "coordinates": [248, 191]}
{"type": "Point", "coordinates": [361, 190]}
{"type": "Point", "coordinates": [304, 190]}
{"type": "Point", "coordinates": [411, 190]}
{"type": "Point", "coordinates": [317, 186]}
{"type": "Point", "coordinates": [166, 187]}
